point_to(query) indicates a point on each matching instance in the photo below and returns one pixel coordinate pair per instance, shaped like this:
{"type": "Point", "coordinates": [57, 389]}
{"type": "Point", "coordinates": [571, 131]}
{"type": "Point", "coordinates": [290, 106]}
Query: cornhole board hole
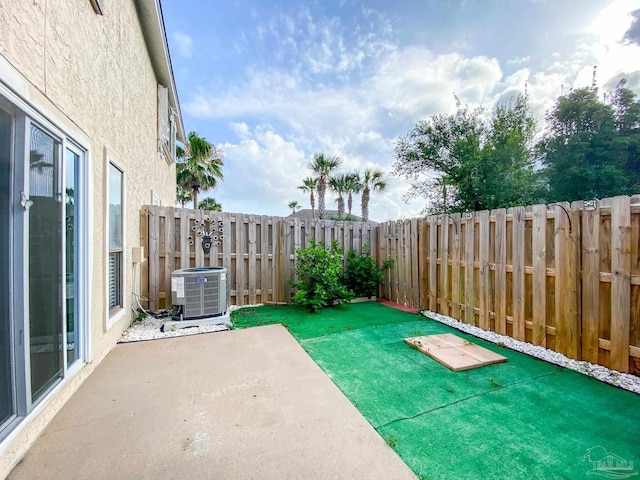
{"type": "Point", "coordinates": [454, 352]}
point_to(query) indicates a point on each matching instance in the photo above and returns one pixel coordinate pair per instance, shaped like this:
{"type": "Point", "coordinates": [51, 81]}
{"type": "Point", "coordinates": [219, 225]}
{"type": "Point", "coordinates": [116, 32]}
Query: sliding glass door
{"type": "Point", "coordinates": [46, 326]}
{"type": "Point", "coordinates": [7, 404]}
{"type": "Point", "coordinates": [43, 266]}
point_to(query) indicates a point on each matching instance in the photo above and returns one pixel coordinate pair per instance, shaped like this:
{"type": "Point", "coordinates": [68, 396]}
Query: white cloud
{"type": "Point", "coordinates": [352, 93]}
{"type": "Point", "coordinates": [184, 43]}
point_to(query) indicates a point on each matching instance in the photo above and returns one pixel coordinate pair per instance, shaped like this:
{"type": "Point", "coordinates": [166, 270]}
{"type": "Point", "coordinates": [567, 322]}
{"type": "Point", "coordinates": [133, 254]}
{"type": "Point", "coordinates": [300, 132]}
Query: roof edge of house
{"type": "Point", "coordinates": [152, 23]}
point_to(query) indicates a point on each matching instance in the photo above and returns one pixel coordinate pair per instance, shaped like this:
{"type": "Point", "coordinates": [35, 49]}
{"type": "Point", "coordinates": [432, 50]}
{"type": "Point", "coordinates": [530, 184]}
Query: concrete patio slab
{"type": "Point", "coordinates": [243, 404]}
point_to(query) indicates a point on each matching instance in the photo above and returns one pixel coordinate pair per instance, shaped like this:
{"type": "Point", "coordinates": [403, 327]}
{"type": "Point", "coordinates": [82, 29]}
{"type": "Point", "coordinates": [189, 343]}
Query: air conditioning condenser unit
{"type": "Point", "coordinates": [199, 297]}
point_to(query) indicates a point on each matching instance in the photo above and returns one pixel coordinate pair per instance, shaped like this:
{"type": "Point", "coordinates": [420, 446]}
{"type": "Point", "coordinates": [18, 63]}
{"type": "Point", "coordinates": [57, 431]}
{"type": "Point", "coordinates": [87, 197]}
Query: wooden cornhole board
{"type": "Point", "coordinates": [454, 352]}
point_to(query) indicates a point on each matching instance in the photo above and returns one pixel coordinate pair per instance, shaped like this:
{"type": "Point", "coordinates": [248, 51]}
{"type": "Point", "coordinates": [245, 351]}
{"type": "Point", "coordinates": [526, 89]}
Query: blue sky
{"type": "Point", "coordinates": [273, 82]}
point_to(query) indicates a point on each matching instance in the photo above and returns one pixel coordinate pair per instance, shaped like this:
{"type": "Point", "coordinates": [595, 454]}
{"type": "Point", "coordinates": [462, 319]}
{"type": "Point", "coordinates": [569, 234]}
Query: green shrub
{"type": "Point", "coordinates": [363, 275]}
{"type": "Point", "coordinates": [319, 271]}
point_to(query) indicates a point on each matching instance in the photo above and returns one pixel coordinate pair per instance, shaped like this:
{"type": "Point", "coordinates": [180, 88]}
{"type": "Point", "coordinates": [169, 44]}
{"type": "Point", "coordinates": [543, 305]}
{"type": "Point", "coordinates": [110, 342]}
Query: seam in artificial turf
{"type": "Point", "coordinates": [481, 394]}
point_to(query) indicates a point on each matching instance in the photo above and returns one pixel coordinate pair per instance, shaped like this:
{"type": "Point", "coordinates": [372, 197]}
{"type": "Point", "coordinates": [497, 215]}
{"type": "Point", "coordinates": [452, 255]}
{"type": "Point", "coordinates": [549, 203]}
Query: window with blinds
{"type": "Point", "coordinates": [115, 238]}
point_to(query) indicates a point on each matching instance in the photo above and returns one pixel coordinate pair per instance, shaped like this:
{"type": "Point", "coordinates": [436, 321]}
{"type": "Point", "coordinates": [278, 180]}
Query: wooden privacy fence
{"type": "Point", "coordinates": [560, 276]}
{"type": "Point", "coordinates": [258, 251]}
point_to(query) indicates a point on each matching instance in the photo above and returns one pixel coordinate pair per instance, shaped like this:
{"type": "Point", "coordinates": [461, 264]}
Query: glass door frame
{"type": "Point", "coordinates": [24, 115]}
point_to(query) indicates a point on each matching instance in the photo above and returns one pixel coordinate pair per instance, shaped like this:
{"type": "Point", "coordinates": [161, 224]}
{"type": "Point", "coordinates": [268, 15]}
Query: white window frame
{"type": "Point", "coordinates": [113, 316]}
{"type": "Point", "coordinates": [167, 126]}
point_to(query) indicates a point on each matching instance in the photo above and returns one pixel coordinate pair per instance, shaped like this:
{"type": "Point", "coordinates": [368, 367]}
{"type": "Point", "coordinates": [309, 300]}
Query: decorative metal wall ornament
{"type": "Point", "coordinates": [210, 231]}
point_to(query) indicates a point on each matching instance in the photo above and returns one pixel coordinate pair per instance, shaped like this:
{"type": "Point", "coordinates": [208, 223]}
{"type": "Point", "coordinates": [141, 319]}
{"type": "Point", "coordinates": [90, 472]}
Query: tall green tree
{"type": "Point", "coordinates": [372, 181]}
{"type": "Point", "coordinates": [338, 184]}
{"type": "Point", "coordinates": [354, 186]}
{"type": "Point", "coordinates": [322, 167]}
{"type": "Point", "coordinates": [199, 167]}
{"type": "Point", "coordinates": [183, 195]}
{"type": "Point", "coordinates": [294, 206]}
{"type": "Point", "coordinates": [309, 186]}
{"type": "Point", "coordinates": [465, 162]}
{"type": "Point", "coordinates": [210, 204]}
{"type": "Point", "coordinates": [627, 120]}
{"type": "Point", "coordinates": [507, 168]}
{"type": "Point", "coordinates": [580, 150]}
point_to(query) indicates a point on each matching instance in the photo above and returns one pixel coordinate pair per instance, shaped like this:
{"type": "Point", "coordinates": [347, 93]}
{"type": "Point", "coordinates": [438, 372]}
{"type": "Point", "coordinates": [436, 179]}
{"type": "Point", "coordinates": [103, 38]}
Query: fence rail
{"type": "Point", "coordinates": [258, 251]}
{"type": "Point", "coordinates": [558, 276]}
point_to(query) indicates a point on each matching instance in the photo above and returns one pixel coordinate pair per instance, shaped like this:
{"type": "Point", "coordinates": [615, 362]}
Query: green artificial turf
{"type": "Point", "coordinates": [523, 419]}
{"type": "Point", "coordinates": [303, 324]}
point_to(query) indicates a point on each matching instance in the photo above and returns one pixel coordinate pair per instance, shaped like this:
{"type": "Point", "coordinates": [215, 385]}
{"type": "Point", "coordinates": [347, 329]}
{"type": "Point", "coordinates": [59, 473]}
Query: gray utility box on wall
{"type": "Point", "coordinates": [201, 293]}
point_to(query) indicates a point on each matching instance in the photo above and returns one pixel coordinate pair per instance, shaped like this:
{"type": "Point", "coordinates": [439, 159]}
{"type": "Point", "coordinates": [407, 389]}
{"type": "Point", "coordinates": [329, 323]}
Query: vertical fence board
{"type": "Point", "coordinates": [518, 272]}
{"type": "Point", "coordinates": [620, 282]}
{"type": "Point", "coordinates": [433, 263]}
{"type": "Point", "coordinates": [382, 256]}
{"type": "Point", "coordinates": [443, 254]}
{"type": "Point", "coordinates": [539, 280]}
{"type": "Point", "coordinates": [265, 254]}
{"type": "Point", "coordinates": [240, 260]}
{"type": "Point", "coordinates": [423, 271]}
{"type": "Point", "coordinates": [278, 271]}
{"type": "Point", "coordinates": [253, 252]}
{"type": "Point", "coordinates": [500, 290]}
{"type": "Point", "coordinates": [415, 280]}
{"type": "Point", "coordinates": [567, 332]}
{"type": "Point", "coordinates": [198, 239]}
{"type": "Point", "coordinates": [485, 269]}
{"type": "Point", "coordinates": [455, 267]}
{"type": "Point", "coordinates": [169, 252]}
{"type": "Point", "coordinates": [590, 284]}
{"type": "Point", "coordinates": [154, 257]}
{"type": "Point", "coordinates": [185, 233]}
{"type": "Point", "coordinates": [144, 241]}
{"type": "Point", "coordinates": [469, 269]}
{"type": "Point", "coordinates": [226, 248]}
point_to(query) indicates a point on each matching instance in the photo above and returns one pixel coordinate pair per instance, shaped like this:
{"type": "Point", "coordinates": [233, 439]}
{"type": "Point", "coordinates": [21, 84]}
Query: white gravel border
{"type": "Point", "coordinates": [623, 380]}
{"type": "Point", "coordinates": [149, 328]}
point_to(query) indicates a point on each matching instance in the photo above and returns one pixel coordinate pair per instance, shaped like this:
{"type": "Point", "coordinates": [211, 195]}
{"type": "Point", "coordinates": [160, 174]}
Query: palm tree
{"type": "Point", "coordinates": [338, 183]}
{"type": "Point", "coordinates": [323, 166]}
{"type": "Point", "coordinates": [210, 204]}
{"type": "Point", "coordinates": [372, 181]}
{"type": "Point", "coordinates": [183, 195]}
{"type": "Point", "coordinates": [309, 184]}
{"type": "Point", "coordinates": [353, 186]}
{"type": "Point", "coordinates": [294, 206]}
{"type": "Point", "coordinates": [200, 167]}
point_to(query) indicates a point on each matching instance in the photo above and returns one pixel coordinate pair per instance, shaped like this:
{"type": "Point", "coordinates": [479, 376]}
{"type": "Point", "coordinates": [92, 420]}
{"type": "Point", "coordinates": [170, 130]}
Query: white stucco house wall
{"type": "Point", "coordinates": [89, 116]}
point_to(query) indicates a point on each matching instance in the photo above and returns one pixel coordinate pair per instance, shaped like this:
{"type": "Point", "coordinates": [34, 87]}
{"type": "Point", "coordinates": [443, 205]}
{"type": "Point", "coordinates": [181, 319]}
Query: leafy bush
{"type": "Point", "coordinates": [319, 271]}
{"type": "Point", "coordinates": [363, 275]}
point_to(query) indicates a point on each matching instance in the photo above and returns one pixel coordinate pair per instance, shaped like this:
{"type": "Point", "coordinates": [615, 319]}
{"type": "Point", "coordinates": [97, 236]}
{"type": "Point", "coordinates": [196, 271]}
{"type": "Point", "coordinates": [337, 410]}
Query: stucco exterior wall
{"type": "Point", "coordinates": [94, 75]}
